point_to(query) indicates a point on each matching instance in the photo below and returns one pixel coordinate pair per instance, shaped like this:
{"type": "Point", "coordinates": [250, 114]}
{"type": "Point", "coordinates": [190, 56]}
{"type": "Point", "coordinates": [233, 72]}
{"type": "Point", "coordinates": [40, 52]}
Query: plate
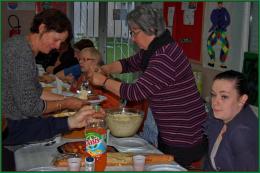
{"type": "Point", "coordinates": [65, 93]}
{"type": "Point", "coordinates": [129, 144]}
{"type": "Point", "coordinates": [101, 99]}
{"type": "Point", "coordinates": [44, 169]}
{"type": "Point", "coordinates": [164, 167]}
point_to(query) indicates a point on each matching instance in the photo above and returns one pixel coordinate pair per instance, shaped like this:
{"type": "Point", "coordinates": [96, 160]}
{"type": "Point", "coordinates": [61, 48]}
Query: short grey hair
{"type": "Point", "coordinates": [148, 19]}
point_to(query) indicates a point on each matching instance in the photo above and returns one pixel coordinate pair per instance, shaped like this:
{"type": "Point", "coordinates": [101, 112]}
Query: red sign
{"type": "Point", "coordinates": [188, 36]}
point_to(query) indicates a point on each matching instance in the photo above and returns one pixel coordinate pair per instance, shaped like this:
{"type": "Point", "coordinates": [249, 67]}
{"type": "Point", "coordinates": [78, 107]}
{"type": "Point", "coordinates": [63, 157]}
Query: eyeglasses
{"type": "Point", "coordinates": [86, 59]}
{"type": "Point", "coordinates": [133, 34]}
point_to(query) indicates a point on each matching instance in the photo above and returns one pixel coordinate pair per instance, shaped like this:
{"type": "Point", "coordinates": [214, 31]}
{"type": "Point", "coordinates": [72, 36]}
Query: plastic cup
{"type": "Point", "coordinates": [139, 162]}
{"type": "Point", "coordinates": [74, 164]}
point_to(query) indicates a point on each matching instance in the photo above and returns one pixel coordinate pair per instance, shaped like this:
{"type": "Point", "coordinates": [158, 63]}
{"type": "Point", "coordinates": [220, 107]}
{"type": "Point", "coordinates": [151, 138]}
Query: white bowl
{"type": "Point", "coordinates": [124, 122]}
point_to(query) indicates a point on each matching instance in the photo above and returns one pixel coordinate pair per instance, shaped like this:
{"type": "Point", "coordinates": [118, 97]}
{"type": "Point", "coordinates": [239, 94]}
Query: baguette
{"type": "Point", "coordinates": [158, 159]}
{"type": "Point", "coordinates": [120, 159]}
{"type": "Point", "coordinates": [123, 159]}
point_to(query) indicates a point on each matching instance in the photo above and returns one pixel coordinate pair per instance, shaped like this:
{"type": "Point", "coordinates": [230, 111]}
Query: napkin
{"type": "Point", "coordinates": [59, 85]}
{"type": "Point", "coordinates": [41, 70]}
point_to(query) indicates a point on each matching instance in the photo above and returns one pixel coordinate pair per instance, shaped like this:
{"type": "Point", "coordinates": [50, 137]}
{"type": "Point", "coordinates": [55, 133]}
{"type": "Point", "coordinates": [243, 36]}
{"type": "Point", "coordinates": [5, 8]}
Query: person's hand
{"type": "Point", "coordinates": [83, 116]}
{"type": "Point", "coordinates": [46, 78]}
{"type": "Point", "coordinates": [69, 78]}
{"type": "Point", "coordinates": [4, 123]}
{"type": "Point", "coordinates": [97, 78]}
{"type": "Point", "coordinates": [101, 70]}
{"type": "Point", "coordinates": [73, 103]}
{"type": "Point", "coordinates": [50, 69]}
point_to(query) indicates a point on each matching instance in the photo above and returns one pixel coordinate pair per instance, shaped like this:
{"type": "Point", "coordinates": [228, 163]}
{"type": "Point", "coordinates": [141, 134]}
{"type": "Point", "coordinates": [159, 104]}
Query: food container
{"type": "Point", "coordinates": [124, 122]}
{"type": "Point", "coordinates": [79, 148]}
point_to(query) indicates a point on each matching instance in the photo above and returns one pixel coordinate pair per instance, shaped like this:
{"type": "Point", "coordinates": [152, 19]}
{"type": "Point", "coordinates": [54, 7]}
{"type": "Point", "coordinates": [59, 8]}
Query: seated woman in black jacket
{"type": "Point", "coordinates": [232, 131]}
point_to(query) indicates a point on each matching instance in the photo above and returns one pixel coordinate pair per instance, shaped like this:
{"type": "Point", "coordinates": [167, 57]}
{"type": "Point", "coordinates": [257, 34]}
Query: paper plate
{"type": "Point", "coordinates": [65, 93]}
{"type": "Point", "coordinates": [101, 99]}
{"type": "Point", "coordinates": [129, 144]}
{"type": "Point", "coordinates": [164, 167]}
{"type": "Point", "coordinates": [45, 169]}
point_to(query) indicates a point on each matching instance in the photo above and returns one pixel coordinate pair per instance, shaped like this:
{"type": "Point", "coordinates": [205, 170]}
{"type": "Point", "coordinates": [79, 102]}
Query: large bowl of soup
{"type": "Point", "coordinates": [124, 122]}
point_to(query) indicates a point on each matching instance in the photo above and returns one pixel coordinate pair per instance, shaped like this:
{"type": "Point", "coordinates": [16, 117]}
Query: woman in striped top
{"type": "Point", "coordinates": [167, 82]}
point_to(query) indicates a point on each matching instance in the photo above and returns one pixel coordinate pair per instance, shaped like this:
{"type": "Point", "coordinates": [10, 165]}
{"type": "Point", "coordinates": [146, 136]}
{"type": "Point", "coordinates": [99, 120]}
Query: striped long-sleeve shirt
{"type": "Point", "coordinates": [169, 85]}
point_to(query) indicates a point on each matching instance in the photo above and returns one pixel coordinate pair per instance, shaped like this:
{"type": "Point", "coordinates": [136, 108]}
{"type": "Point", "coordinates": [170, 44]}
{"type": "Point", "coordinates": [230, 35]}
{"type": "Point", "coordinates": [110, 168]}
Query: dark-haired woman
{"type": "Point", "coordinates": [232, 131]}
{"type": "Point", "coordinates": [23, 95]}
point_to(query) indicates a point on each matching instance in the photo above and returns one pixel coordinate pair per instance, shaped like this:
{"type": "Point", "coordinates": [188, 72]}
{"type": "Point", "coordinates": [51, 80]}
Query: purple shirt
{"type": "Point", "coordinates": [169, 85]}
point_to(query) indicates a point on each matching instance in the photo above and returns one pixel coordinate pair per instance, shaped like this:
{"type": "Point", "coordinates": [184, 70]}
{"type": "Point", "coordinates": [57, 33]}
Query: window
{"type": "Point", "coordinates": [118, 44]}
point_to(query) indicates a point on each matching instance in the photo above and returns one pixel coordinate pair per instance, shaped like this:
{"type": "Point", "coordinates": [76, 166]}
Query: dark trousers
{"type": "Point", "coordinates": [8, 163]}
{"type": "Point", "coordinates": [183, 155]}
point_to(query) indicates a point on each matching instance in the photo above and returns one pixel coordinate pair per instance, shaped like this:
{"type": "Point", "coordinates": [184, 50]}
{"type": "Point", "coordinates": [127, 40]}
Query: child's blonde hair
{"type": "Point", "coordinates": [93, 53]}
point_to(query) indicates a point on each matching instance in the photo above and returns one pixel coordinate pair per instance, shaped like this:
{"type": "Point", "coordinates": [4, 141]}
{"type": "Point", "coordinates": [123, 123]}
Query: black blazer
{"type": "Point", "coordinates": [238, 150]}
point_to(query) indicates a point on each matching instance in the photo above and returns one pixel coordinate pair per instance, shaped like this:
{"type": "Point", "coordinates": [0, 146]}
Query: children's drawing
{"type": "Point", "coordinates": [220, 19]}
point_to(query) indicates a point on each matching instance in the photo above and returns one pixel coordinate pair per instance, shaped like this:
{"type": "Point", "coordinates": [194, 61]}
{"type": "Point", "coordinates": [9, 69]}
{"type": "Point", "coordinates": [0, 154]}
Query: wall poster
{"type": "Point", "coordinates": [225, 35]}
{"type": "Point", "coordinates": [23, 6]}
{"type": "Point", "coordinates": [62, 6]}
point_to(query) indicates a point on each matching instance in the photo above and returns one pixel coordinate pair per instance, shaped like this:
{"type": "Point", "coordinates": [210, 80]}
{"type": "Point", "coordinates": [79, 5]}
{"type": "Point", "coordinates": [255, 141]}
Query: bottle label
{"type": "Point", "coordinates": [95, 144]}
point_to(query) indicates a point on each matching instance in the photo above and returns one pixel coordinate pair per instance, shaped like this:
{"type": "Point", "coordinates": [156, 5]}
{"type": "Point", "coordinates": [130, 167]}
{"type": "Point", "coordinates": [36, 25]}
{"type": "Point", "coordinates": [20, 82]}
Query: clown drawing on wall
{"type": "Point", "coordinates": [220, 20]}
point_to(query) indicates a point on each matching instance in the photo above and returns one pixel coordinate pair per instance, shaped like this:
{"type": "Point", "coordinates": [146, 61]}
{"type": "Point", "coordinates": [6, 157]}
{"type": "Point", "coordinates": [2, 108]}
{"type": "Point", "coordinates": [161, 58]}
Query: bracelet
{"type": "Point", "coordinates": [59, 106]}
{"type": "Point", "coordinates": [105, 81]}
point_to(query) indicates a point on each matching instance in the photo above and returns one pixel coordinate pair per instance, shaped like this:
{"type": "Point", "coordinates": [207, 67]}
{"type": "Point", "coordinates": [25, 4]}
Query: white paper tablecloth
{"type": "Point", "coordinates": [33, 156]}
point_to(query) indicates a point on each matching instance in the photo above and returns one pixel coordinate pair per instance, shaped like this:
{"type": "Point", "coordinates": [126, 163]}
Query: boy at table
{"type": "Point", "coordinates": [89, 59]}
